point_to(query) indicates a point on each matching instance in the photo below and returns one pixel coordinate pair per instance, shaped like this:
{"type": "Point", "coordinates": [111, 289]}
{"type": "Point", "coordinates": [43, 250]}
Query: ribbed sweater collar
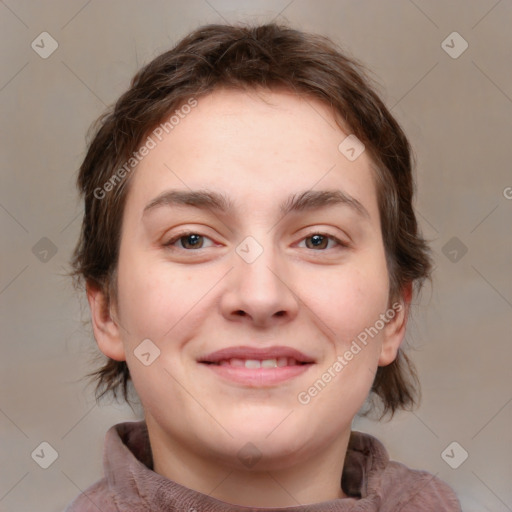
{"type": "Point", "coordinates": [132, 482]}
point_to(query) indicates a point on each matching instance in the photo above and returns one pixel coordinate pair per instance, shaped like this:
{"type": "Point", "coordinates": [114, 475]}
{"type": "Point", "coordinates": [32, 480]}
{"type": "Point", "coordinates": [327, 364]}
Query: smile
{"type": "Point", "coordinates": [257, 367]}
{"type": "Point", "coordinates": [255, 364]}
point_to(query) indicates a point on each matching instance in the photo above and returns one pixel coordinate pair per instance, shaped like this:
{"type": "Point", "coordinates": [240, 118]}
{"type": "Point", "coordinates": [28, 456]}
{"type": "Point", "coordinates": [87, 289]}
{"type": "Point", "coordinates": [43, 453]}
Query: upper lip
{"type": "Point", "coordinates": [246, 352]}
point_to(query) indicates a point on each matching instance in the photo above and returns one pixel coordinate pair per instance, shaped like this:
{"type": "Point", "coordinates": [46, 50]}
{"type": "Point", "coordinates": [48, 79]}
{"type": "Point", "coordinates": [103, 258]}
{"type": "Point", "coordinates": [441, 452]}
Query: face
{"type": "Point", "coordinates": [252, 260]}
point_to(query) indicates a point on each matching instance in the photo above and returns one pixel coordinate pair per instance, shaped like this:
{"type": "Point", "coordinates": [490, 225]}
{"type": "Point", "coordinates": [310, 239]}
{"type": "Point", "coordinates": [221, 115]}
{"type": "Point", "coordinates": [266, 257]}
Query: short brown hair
{"type": "Point", "coordinates": [248, 57]}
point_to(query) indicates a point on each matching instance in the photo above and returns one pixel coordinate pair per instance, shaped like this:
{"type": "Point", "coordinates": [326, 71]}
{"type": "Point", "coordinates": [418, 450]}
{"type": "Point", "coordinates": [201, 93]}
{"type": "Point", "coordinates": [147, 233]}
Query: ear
{"type": "Point", "coordinates": [394, 332]}
{"type": "Point", "coordinates": [106, 329]}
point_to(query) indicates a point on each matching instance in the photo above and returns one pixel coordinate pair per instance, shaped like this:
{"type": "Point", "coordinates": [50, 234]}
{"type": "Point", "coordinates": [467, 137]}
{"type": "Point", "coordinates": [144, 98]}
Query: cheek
{"type": "Point", "coordinates": [154, 304]}
{"type": "Point", "coordinates": [147, 297]}
{"type": "Point", "coordinates": [156, 297]}
{"type": "Point", "coordinates": [347, 301]}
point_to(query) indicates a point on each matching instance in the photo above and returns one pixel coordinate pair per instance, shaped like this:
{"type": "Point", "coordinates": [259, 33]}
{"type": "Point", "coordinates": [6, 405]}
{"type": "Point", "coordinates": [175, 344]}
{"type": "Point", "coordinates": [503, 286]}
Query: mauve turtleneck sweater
{"type": "Point", "coordinates": [373, 482]}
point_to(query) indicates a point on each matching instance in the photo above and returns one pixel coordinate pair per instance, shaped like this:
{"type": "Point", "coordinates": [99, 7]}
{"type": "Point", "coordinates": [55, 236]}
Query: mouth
{"type": "Point", "coordinates": [255, 367]}
{"type": "Point", "coordinates": [254, 364]}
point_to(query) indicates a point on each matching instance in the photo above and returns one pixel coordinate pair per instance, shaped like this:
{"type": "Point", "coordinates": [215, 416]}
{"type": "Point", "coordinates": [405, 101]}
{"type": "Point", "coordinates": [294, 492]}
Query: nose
{"type": "Point", "coordinates": [261, 292]}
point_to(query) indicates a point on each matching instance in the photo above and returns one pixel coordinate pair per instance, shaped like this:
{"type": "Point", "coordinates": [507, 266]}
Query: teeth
{"type": "Point", "coordinates": [254, 364]}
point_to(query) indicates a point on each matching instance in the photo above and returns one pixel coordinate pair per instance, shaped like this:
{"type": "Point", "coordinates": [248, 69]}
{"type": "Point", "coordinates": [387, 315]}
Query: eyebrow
{"type": "Point", "coordinates": [307, 200]}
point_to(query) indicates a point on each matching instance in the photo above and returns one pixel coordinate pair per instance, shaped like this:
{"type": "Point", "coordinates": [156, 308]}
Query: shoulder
{"type": "Point", "coordinates": [412, 490]}
{"type": "Point", "coordinates": [95, 498]}
{"type": "Point", "coordinates": [126, 456]}
{"type": "Point", "coordinates": [392, 485]}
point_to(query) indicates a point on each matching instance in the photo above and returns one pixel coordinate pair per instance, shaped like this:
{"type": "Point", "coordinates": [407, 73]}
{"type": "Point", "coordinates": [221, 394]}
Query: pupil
{"type": "Point", "coordinates": [317, 240]}
{"type": "Point", "coordinates": [192, 240]}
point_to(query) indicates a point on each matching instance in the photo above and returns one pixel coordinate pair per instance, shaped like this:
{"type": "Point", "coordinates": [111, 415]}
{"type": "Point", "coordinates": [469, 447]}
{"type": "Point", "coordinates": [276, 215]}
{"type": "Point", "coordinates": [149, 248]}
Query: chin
{"type": "Point", "coordinates": [263, 454]}
{"type": "Point", "coordinates": [265, 425]}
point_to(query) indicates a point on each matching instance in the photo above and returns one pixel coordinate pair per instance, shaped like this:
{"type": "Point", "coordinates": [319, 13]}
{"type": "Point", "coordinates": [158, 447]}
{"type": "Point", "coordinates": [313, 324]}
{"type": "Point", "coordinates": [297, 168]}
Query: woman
{"type": "Point", "coordinates": [250, 253]}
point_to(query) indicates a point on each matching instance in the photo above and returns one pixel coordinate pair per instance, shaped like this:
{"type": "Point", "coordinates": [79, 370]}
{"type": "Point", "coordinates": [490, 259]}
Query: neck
{"type": "Point", "coordinates": [304, 481]}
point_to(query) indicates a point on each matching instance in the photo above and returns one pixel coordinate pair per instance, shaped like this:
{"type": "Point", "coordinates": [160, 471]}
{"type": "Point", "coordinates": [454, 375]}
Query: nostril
{"type": "Point", "coordinates": [240, 312]}
{"type": "Point", "coordinates": [280, 313]}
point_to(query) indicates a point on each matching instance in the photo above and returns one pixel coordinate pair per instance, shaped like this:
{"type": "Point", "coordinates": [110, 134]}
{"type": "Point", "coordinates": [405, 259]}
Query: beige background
{"type": "Point", "coordinates": [457, 113]}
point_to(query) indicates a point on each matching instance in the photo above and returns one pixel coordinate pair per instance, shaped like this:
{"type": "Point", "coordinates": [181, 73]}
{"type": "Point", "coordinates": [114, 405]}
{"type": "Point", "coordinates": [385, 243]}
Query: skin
{"type": "Point", "coordinates": [257, 148]}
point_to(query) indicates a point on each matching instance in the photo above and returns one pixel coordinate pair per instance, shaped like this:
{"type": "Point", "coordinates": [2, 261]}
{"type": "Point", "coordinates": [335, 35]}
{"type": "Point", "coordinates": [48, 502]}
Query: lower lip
{"type": "Point", "coordinates": [259, 377]}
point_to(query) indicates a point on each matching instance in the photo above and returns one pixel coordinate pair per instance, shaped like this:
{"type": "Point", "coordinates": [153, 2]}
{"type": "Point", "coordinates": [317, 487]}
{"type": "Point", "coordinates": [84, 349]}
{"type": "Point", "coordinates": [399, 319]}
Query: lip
{"type": "Point", "coordinates": [260, 377]}
{"type": "Point", "coordinates": [246, 352]}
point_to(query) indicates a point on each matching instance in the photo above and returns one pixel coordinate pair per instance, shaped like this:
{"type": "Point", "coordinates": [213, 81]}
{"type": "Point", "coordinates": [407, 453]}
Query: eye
{"type": "Point", "coordinates": [189, 240]}
{"type": "Point", "coordinates": [320, 241]}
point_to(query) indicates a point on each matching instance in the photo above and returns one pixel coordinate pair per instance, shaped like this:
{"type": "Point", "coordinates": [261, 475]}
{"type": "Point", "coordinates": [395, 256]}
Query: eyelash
{"type": "Point", "coordinates": [184, 234]}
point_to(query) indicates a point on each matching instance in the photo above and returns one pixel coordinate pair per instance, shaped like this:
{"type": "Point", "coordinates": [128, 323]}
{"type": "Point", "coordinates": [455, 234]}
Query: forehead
{"type": "Point", "coordinates": [252, 145]}
{"type": "Point", "coordinates": [254, 117]}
